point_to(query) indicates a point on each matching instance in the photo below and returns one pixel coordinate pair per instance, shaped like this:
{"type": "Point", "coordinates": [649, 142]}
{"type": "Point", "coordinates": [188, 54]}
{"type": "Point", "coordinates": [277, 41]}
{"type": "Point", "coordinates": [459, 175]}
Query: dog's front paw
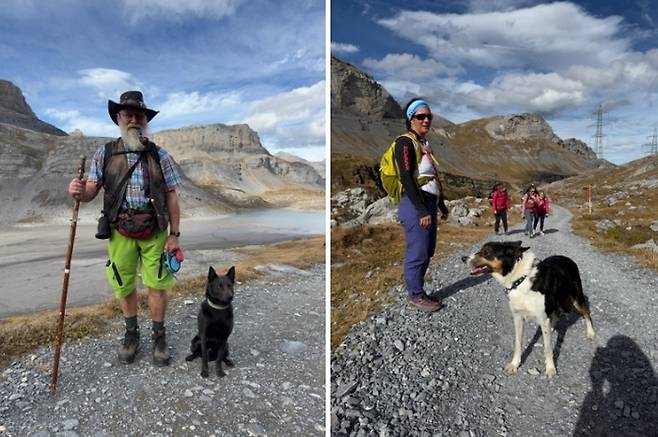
{"type": "Point", "coordinates": [204, 373]}
{"type": "Point", "coordinates": [229, 363]}
{"type": "Point", "coordinates": [221, 373]}
{"type": "Point", "coordinates": [511, 368]}
{"type": "Point", "coordinates": [551, 372]}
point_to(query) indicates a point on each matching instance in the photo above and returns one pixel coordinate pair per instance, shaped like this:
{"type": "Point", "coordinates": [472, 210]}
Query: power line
{"type": "Point", "coordinates": [653, 146]}
{"type": "Point", "coordinates": [598, 136]}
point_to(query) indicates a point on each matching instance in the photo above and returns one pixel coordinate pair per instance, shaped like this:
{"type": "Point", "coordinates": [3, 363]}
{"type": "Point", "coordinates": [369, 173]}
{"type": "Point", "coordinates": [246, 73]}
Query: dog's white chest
{"type": "Point", "coordinates": [525, 301]}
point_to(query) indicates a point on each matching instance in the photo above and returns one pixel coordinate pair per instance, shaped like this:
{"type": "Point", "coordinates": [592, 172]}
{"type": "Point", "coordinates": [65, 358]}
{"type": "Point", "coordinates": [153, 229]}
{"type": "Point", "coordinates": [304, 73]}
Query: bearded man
{"type": "Point", "coordinates": [140, 204]}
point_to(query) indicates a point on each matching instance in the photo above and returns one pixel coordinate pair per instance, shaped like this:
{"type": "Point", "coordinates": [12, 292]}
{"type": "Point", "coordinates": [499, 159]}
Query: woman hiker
{"type": "Point", "coordinates": [421, 193]}
{"type": "Point", "coordinates": [542, 209]}
{"type": "Point", "coordinates": [528, 205]}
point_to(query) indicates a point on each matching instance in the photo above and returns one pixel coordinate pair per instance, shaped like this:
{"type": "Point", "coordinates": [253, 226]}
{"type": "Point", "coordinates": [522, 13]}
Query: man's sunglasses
{"type": "Point", "coordinates": [421, 117]}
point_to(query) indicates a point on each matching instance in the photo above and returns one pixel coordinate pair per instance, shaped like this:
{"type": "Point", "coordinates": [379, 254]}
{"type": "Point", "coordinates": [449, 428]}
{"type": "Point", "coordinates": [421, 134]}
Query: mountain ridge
{"type": "Point", "coordinates": [514, 148]}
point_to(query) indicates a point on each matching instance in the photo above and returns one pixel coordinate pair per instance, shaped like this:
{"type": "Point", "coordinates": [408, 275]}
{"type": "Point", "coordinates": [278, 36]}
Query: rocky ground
{"type": "Point", "coordinates": [403, 372]}
{"type": "Point", "coordinates": [276, 388]}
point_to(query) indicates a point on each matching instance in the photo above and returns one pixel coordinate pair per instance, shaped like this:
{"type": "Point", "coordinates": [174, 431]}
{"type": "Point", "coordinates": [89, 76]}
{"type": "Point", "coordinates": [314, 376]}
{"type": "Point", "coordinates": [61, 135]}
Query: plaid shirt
{"type": "Point", "coordinates": [135, 197]}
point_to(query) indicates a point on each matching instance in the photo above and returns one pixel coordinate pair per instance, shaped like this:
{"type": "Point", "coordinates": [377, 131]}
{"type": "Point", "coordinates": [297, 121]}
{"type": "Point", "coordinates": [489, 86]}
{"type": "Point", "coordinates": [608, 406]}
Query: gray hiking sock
{"type": "Point", "coordinates": [158, 326]}
{"type": "Point", "coordinates": [131, 323]}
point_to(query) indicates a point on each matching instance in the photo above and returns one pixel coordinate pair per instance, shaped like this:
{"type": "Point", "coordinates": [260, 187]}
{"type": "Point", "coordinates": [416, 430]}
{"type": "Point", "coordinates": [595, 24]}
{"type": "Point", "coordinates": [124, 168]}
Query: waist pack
{"type": "Point", "coordinates": [138, 226]}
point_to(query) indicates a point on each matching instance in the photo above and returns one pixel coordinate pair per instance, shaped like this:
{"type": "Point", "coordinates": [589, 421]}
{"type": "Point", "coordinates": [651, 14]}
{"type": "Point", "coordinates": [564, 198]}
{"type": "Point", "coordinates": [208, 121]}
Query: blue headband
{"type": "Point", "coordinates": [415, 106]}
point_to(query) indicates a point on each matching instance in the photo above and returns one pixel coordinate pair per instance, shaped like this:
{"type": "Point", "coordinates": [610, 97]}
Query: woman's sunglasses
{"type": "Point", "coordinates": [422, 117]}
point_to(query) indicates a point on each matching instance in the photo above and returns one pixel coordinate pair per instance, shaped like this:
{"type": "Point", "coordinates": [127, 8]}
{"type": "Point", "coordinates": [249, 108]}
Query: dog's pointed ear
{"type": "Point", "coordinates": [231, 274]}
{"type": "Point", "coordinates": [516, 243]}
{"type": "Point", "coordinates": [523, 249]}
{"type": "Point", "coordinates": [211, 274]}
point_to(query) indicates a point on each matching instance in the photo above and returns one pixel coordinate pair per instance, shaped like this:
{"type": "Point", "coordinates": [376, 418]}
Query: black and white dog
{"type": "Point", "coordinates": [539, 290]}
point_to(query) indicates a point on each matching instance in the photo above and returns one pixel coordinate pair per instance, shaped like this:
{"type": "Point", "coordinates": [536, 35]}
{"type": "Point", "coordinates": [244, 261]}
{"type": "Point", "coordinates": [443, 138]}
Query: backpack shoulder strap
{"type": "Point", "coordinates": [107, 154]}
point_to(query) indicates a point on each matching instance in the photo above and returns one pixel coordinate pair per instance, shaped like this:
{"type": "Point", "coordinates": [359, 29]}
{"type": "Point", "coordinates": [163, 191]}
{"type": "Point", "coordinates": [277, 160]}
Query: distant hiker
{"type": "Point", "coordinates": [542, 209]}
{"type": "Point", "coordinates": [528, 205]}
{"type": "Point", "coordinates": [530, 187]}
{"type": "Point", "coordinates": [421, 193]}
{"type": "Point", "coordinates": [500, 203]}
{"type": "Point", "coordinates": [139, 204]}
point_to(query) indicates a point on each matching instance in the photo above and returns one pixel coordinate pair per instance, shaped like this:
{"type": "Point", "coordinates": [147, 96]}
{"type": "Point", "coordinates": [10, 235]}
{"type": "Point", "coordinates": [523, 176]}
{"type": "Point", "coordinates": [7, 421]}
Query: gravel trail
{"type": "Point", "coordinates": [277, 387]}
{"type": "Point", "coordinates": [403, 372]}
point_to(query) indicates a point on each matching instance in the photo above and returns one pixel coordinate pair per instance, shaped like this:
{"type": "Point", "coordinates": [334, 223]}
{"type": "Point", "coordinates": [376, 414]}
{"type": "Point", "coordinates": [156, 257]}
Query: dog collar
{"type": "Point", "coordinates": [217, 307]}
{"type": "Point", "coordinates": [516, 283]}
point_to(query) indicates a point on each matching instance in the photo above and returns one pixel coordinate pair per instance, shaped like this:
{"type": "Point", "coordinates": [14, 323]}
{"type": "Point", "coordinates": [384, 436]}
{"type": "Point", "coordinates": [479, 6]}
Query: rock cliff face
{"type": "Point", "coordinates": [355, 92]}
{"type": "Point", "coordinates": [14, 110]}
{"type": "Point", "coordinates": [233, 157]}
{"type": "Point", "coordinates": [519, 127]}
{"type": "Point", "coordinates": [579, 148]}
{"type": "Point", "coordinates": [213, 140]}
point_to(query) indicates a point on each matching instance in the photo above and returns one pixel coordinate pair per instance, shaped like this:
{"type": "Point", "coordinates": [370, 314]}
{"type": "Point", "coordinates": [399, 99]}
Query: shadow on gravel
{"type": "Point", "coordinates": [622, 400]}
{"type": "Point", "coordinates": [561, 328]}
{"type": "Point", "coordinates": [462, 284]}
{"type": "Point", "coordinates": [550, 231]}
{"type": "Point", "coordinates": [515, 231]}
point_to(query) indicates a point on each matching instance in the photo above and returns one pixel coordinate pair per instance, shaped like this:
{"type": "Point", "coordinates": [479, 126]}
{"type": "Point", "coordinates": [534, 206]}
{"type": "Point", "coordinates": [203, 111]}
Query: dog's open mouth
{"type": "Point", "coordinates": [480, 270]}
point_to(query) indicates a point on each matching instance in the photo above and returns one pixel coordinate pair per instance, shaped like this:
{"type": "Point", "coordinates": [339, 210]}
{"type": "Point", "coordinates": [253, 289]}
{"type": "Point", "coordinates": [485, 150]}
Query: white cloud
{"type": "Point", "coordinates": [108, 83]}
{"type": "Point", "coordinates": [295, 117]}
{"type": "Point", "coordinates": [635, 71]}
{"type": "Point", "coordinates": [341, 48]}
{"type": "Point", "coordinates": [73, 119]}
{"type": "Point", "coordinates": [497, 5]}
{"type": "Point", "coordinates": [544, 93]}
{"type": "Point", "coordinates": [137, 10]}
{"type": "Point", "coordinates": [548, 35]}
{"type": "Point", "coordinates": [409, 66]}
{"type": "Point", "coordinates": [193, 104]}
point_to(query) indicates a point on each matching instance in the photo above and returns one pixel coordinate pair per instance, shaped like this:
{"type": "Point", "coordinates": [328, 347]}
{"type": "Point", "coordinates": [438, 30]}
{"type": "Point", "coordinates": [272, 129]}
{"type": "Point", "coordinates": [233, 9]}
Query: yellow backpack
{"type": "Point", "coordinates": [389, 173]}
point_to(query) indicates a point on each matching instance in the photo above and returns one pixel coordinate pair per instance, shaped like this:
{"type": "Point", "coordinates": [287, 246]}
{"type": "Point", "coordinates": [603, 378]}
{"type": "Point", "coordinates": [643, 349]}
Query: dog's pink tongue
{"type": "Point", "coordinates": [477, 270]}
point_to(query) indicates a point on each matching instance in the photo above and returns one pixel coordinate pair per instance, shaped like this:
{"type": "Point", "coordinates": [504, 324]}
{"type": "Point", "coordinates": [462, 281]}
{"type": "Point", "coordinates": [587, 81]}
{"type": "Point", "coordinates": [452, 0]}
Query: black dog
{"type": "Point", "coordinates": [215, 323]}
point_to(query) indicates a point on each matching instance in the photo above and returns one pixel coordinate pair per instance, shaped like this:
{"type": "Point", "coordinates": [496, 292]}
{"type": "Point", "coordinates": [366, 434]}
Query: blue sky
{"type": "Point", "coordinates": [478, 58]}
{"type": "Point", "coordinates": [197, 61]}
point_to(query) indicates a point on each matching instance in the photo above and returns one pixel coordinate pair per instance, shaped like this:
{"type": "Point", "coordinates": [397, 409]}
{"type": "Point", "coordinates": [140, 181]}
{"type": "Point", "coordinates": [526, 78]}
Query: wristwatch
{"type": "Point", "coordinates": [175, 234]}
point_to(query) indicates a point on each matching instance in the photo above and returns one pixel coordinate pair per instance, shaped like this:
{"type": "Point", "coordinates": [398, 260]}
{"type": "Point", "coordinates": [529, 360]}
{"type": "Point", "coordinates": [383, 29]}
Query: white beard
{"type": "Point", "coordinates": [130, 137]}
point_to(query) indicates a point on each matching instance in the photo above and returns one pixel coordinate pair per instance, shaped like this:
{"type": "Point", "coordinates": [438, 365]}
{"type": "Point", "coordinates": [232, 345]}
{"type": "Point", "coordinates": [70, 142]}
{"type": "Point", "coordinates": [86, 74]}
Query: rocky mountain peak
{"type": "Point", "coordinates": [356, 92]}
{"type": "Point", "coordinates": [12, 99]}
{"type": "Point", "coordinates": [15, 111]}
{"type": "Point", "coordinates": [210, 139]}
{"type": "Point", "coordinates": [526, 126]}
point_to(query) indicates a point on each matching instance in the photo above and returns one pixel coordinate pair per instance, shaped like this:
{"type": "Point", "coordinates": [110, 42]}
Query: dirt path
{"type": "Point", "coordinates": [403, 372]}
{"type": "Point", "coordinates": [277, 387]}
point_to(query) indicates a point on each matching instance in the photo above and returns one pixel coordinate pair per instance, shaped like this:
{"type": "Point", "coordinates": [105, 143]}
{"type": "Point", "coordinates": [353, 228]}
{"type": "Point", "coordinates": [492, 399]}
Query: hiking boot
{"type": "Point", "coordinates": [130, 346]}
{"type": "Point", "coordinates": [424, 303]}
{"type": "Point", "coordinates": [541, 233]}
{"type": "Point", "coordinates": [160, 351]}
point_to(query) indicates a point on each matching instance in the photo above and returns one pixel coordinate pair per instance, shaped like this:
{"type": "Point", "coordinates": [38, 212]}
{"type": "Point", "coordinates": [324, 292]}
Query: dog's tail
{"type": "Point", "coordinates": [195, 348]}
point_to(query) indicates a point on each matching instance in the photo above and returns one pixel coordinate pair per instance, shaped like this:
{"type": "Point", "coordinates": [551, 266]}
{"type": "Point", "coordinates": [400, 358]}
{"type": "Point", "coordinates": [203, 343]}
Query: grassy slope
{"type": "Point", "coordinates": [636, 217]}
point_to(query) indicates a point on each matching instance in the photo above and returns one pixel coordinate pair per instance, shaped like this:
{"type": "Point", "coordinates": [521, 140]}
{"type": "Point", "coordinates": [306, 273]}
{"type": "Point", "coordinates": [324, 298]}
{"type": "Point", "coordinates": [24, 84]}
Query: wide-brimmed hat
{"type": "Point", "coordinates": [129, 99]}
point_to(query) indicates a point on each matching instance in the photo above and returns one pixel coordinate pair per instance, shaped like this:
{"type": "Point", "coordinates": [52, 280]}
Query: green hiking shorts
{"type": "Point", "coordinates": [126, 253]}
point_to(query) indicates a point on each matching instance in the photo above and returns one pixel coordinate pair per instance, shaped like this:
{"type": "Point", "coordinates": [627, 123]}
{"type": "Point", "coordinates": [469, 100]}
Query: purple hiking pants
{"type": "Point", "coordinates": [420, 242]}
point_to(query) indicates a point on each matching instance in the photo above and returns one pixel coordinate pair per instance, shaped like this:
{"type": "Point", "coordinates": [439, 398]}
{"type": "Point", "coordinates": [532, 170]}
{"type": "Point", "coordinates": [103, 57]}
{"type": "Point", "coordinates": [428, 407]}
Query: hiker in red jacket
{"type": "Point", "coordinates": [542, 209]}
{"type": "Point", "coordinates": [500, 203]}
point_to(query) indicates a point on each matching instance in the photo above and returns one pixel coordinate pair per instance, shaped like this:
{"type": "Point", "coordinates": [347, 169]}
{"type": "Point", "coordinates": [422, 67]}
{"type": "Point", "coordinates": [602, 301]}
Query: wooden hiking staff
{"type": "Point", "coordinates": [65, 285]}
